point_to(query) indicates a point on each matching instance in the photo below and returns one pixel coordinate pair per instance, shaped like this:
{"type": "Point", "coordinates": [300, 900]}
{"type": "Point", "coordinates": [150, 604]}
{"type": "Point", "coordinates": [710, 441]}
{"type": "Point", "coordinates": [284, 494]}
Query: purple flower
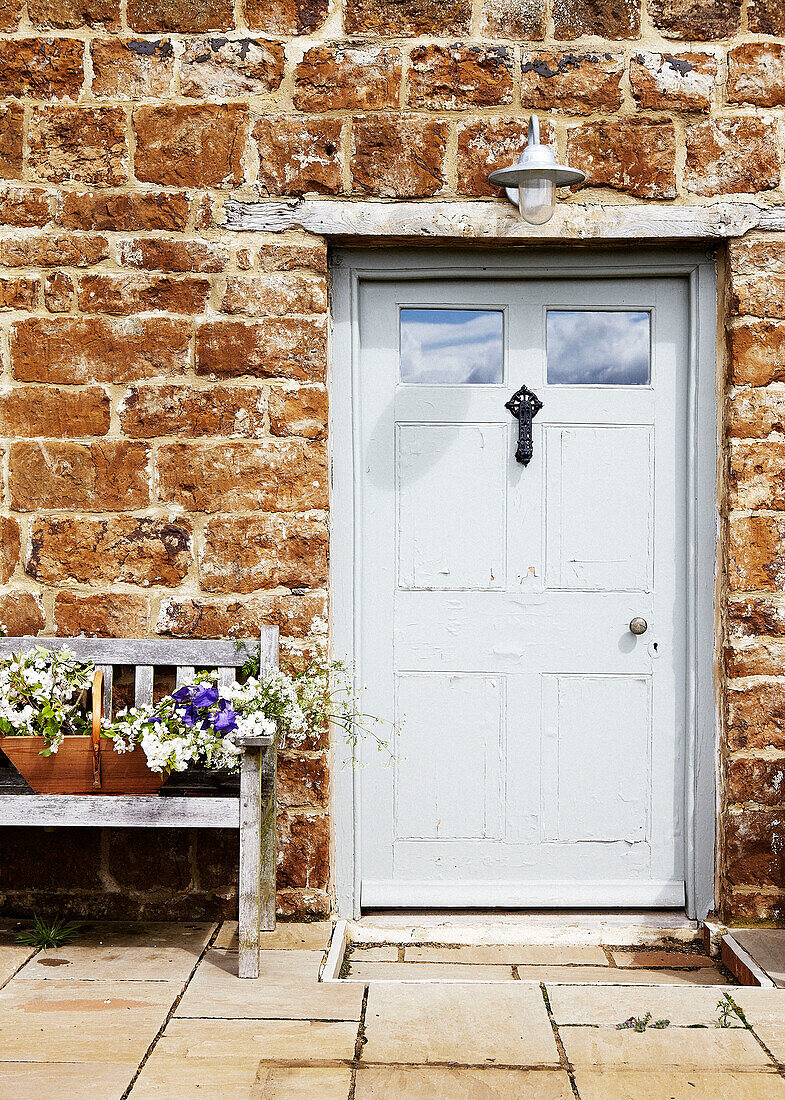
{"type": "Point", "coordinates": [190, 717]}
{"type": "Point", "coordinates": [182, 694]}
{"type": "Point", "coordinates": [205, 696]}
{"type": "Point", "coordinates": [225, 720]}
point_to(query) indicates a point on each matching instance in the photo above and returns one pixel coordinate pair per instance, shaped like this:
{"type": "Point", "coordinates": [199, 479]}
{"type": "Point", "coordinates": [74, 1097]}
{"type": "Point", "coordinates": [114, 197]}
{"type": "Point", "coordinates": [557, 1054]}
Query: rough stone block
{"type": "Point", "coordinates": [485, 145]}
{"type": "Point", "coordinates": [757, 474]}
{"type": "Point", "coordinates": [11, 141]}
{"type": "Point", "coordinates": [453, 78]}
{"type": "Point", "coordinates": [290, 257]}
{"type": "Point", "coordinates": [229, 68]}
{"type": "Point", "coordinates": [183, 16]}
{"type": "Point", "coordinates": [579, 83]}
{"type": "Point", "coordinates": [21, 613]}
{"type": "Point", "coordinates": [287, 347]}
{"type": "Point", "coordinates": [159, 254]}
{"type": "Point", "coordinates": [754, 616]}
{"type": "Point", "coordinates": [74, 14]}
{"type": "Point", "coordinates": [192, 146]}
{"type": "Point", "coordinates": [269, 476]}
{"type": "Point", "coordinates": [110, 476]}
{"type": "Point", "coordinates": [124, 212]}
{"type": "Point", "coordinates": [51, 412]}
{"type": "Point", "coordinates": [762, 297]}
{"type": "Point", "coordinates": [696, 20]}
{"type": "Point", "coordinates": [58, 292]}
{"type": "Point", "coordinates": [759, 781]}
{"type": "Point", "coordinates": [78, 144]}
{"type": "Point", "coordinates": [766, 17]}
{"type": "Point", "coordinates": [407, 18]}
{"type": "Point", "coordinates": [754, 413]}
{"type": "Point", "coordinates": [24, 207]}
{"type": "Point", "coordinates": [41, 68]}
{"type": "Point", "coordinates": [19, 293]}
{"type": "Point", "coordinates": [398, 156]}
{"type": "Point", "coordinates": [303, 851]}
{"type": "Point", "coordinates": [136, 550]}
{"type": "Point", "coordinates": [345, 78]}
{"type": "Point", "coordinates": [105, 615]}
{"type": "Point", "coordinates": [128, 294]}
{"type": "Point", "coordinates": [247, 553]}
{"type": "Point", "coordinates": [285, 17]}
{"type": "Point", "coordinates": [74, 350]}
{"type": "Point", "coordinates": [732, 155]}
{"type": "Point", "coordinates": [67, 249]}
{"type": "Point", "coordinates": [516, 19]}
{"type": "Point", "coordinates": [756, 554]}
{"type": "Point", "coordinates": [756, 717]}
{"type": "Point", "coordinates": [635, 155]}
{"type": "Point", "coordinates": [758, 352]}
{"type": "Point", "coordinates": [159, 410]}
{"type": "Point", "coordinates": [132, 68]}
{"type": "Point", "coordinates": [753, 848]}
{"type": "Point", "coordinates": [615, 20]}
{"type": "Point", "coordinates": [274, 294]}
{"type": "Point", "coordinates": [668, 82]}
{"type": "Point", "coordinates": [301, 411]}
{"type": "Point", "coordinates": [208, 617]}
{"type": "Point", "coordinates": [9, 547]}
{"type": "Point", "coordinates": [303, 781]}
{"type": "Point", "coordinates": [298, 155]}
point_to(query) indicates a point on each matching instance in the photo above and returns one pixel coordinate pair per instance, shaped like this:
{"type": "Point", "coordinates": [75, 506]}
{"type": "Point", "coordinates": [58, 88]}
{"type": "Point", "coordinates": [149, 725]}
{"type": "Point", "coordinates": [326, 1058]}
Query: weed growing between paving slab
{"type": "Point", "coordinates": [48, 933]}
{"type": "Point", "coordinates": [640, 1023]}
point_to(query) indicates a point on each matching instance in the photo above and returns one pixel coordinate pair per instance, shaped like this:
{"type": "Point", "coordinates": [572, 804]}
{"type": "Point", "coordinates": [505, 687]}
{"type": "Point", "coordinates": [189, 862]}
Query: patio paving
{"type": "Point", "coordinates": [156, 1012]}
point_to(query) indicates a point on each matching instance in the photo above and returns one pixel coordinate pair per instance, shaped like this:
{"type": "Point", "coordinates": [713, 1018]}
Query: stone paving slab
{"type": "Point", "coordinates": [287, 936]}
{"type": "Point", "coordinates": [452, 1083]}
{"type": "Point", "coordinates": [75, 1021]}
{"type": "Point", "coordinates": [765, 1011]}
{"type": "Point", "coordinates": [12, 956]}
{"type": "Point", "coordinates": [121, 952]}
{"type": "Point", "coordinates": [247, 1043]}
{"type": "Point", "coordinates": [287, 988]}
{"type": "Point", "coordinates": [468, 1025]}
{"type": "Point", "coordinates": [673, 960]}
{"type": "Point", "coordinates": [396, 972]}
{"type": "Point", "coordinates": [592, 974]}
{"type": "Point", "coordinates": [653, 1085]}
{"type": "Point", "coordinates": [684, 1048]}
{"type": "Point", "coordinates": [610, 1005]}
{"type": "Point", "coordinates": [374, 954]}
{"type": "Point", "coordinates": [55, 1080]}
{"type": "Point", "coordinates": [231, 1082]}
{"type": "Point", "coordinates": [521, 955]}
{"type": "Point", "coordinates": [767, 947]}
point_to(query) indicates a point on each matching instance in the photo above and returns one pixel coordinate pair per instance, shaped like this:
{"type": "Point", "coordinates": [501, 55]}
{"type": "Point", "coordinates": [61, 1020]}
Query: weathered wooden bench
{"type": "Point", "coordinates": [255, 811]}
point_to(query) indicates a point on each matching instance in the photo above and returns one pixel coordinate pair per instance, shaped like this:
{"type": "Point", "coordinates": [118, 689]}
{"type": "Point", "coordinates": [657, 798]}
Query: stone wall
{"type": "Point", "coordinates": [163, 399]}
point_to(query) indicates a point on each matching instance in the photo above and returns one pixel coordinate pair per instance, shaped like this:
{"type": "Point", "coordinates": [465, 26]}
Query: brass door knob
{"type": "Point", "coordinates": [638, 625]}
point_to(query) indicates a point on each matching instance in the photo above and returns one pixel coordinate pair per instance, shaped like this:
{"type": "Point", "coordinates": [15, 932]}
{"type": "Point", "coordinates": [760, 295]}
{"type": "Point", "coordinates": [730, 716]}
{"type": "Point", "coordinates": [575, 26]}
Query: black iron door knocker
{"type": "Point", "coordinates": [524, 406]}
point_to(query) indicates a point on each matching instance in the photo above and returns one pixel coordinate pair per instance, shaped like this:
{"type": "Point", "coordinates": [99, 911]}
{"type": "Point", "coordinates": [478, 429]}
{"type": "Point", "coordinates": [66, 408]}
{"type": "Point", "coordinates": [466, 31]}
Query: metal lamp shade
{"type": "Point", "coordinates": [536, 162]}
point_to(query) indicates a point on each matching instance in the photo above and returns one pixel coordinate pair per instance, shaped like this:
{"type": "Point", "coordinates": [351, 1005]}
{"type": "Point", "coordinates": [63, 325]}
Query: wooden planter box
{"type": "Point", "coordinates": [71, 769]}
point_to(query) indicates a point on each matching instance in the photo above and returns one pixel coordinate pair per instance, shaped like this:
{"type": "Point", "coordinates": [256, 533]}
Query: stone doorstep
{"type": "Point", "coordinates": [755, 956]}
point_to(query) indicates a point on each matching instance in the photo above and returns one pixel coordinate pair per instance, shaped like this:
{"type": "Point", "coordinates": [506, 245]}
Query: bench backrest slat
{"type": "Point", "coordinates": [144, 654]}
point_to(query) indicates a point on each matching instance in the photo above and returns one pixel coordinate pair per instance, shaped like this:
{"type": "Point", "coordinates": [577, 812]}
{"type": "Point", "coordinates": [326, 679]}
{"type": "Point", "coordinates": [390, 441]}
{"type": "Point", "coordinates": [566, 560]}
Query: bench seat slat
{"type": "Point", "coordinates": [143, 685]}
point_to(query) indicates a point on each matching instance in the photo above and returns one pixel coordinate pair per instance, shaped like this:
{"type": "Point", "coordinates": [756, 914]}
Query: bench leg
{"type": "Point", "coordinates": [257, 854]}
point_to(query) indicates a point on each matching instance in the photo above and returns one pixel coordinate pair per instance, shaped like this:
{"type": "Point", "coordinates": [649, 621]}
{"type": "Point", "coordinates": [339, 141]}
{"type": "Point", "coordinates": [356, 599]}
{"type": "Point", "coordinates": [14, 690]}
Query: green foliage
{"type": "Point", "coordinates": [54, 933]}
{"type": "Point", "coordinates": [640, 1023]}
{"type": "Point", "coordinates": [729, 1012]}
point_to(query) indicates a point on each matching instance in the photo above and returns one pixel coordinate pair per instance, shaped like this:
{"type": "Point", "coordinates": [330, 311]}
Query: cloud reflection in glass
{"type": "Point", "coordinates": [598, 347]}
{"type": "Point", "coordinates": [452, 346]}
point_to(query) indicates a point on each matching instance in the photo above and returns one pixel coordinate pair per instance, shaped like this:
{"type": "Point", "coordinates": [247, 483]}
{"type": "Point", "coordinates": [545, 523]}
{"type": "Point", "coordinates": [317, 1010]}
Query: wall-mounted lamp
{"type": "Point", "coordinates": [531, 183]}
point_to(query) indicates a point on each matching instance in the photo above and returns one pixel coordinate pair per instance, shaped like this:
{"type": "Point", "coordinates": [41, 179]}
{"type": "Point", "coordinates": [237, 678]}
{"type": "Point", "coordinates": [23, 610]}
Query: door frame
{"type": "Point", "coordinates": [347, 268]}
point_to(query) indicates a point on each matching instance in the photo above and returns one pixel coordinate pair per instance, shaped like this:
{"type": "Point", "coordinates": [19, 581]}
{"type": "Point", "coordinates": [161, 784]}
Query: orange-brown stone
{"type": "Point", "coordinates": [303, 781]}
{"type": "Point", "coordinates": [132, 69]}
{"type": "Point", "coordinates": [290, 257]}
{"type": "Point", "coordinates": [270, 476]}
{"type": "Point", "coordinates": [18, 293]}
{"type": "Point", "coordinates": [287, 347]}
{"type": "Point", "coordinates": [228, 68]}
{"type": "Point", "coordinates": [159, 254]}
{"type": "Point", "coordinates": [303, 851]}
{"type": "Point", "coordinates": [298, 155]}
{"type": "Point", "coordinates": [137, 550]}
{"type": "Point", "coordinates": [41, 68]}
{"type": "Point", "coordinates": [24, 207]}
{"type": "Point", "coordinates": [400, 18]}
{"type": "Point", "coordinates": [754, 413]}
{"type": "Point", "coordinates": [345, 78]}
{"type": "Point", "coordinates": [754, 853]}
{"type": "Point", "coordinates": [578, 83]}
{"type": "Point", "coordinates": [9, 547]}
{"type": "Point", "coordinates": [516, 19]}
{"type": "Point", "coordinates": [756, 717]}
{"type": "Point", "coordinates": [274, 294]}
{"type": "Point", "coordinates": [11, 141]}
{"type": "Point", "coordinates": [767, 17]}
{"type": "Point", "coordinates": [68, 249]}
{"type": "Point", "coordinates": [729, 155]}
{"type": "Point", "coordinates": [73, 350]}
{"type": "Point", "coordinates": [58, 292]}
{"type": "Point", "coordinates": [109, 476]}
{"type": "Point", "coordinates": [758, 352]}
{"type": "Point", "coordinates": [453, 78]}
{"type": "Point", "coordinates": [127, 294]}
{"type": "Point", "coordinates": [607, 18]}
{"type": "Point", "coordinates": [79, 144]}
{"type": "Point", "coordinates": [30, 411]}
{"type": "Point", "coordinates": [158, 410]}
{"type": "Point", "coordinates": [696, 20]}
{"type": "Point", "coordinates": [210, 617]}
{"type": "Point", "coordinates": [301, 411]}
{"type": "Point", "coordinates": [285, 17]}
{"type": "Point", "coordinates": [398, 156]}
{"type": "Point", "coordinates": [763, 296]}
{"type": "Point", "coordinates": [105, 615]}
{"type": "Point", "coordinates": [73, 14]}
{"type": "Point", "coordinates": [191, 146]}
{"type": "Point", "coordinates": [759, 781]}
{"type": "Point", "coordinates": [635, 155]}
{"type": "Point", "coordinates": [756, 475]}
{"type": "Point", "coordinates": [184, 16]}
{"type": "Point", "coordinates": [245, 553]}
{"type": "Point", "coordinates": [104, 210]}
{"type": "Point", "coordinates": [756, 615]}
{"type": "Point", "coordinates": [21, 614]}
{"type": "Point", "coordinates": [668, 82]}
{"type": "Point", "coordinates": [487, 144]}
{"type": "Point", "coordinates": [756, 554]}
{"type": "Point", "coordinates": [756, 74]}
